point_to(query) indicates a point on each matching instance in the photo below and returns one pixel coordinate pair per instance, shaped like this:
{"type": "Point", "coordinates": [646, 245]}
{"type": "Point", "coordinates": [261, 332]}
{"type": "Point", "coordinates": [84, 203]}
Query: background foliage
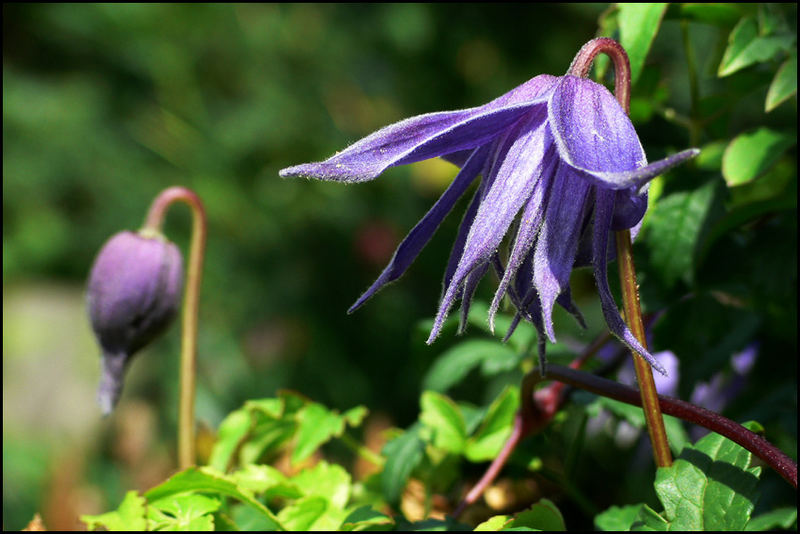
{"type": "Point", "coordinates": [103, 106]}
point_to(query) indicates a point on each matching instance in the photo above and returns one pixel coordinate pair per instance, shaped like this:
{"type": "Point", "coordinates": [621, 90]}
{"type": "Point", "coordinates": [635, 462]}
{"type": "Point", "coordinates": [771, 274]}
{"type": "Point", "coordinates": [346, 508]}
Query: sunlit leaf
{"type": "Point", "coordinates": [746, 47]}
{"type": "Point", "coordinates": [751, 154]}
{"type": "Point", "coordinates": [784, 85]}
{"type": "Point", "coordinates": [443, 418]}
{"type": "Point", "coordinates": [129, 516]}
{"type": "Point", "coordinates": [638, 26]}
{"type": "Point", "coordinates": [496, 427]}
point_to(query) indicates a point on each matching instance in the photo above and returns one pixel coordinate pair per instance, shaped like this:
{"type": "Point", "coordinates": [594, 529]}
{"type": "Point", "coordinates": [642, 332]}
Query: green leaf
{"type": "Point", "coordinates": [204, 479]}
{"type": "Point", "coordinates": [493, 433]}
{"type": "Point", "coordinates": [746, 47]}
{"type": "Point", "coordinates": [317, 426]}
{"type": "Point", "coordinates": [330, 481]}
{"type": "Point", "coordinates": [674, 228]}
{"type": "Point", "coordinates": [633, 415]}
{"type": "Point", "coordinates": [303, 513]}
{"type": "Point", "coordinates": [443, 417]}
{"type": "Point", "coordinates": [259, 478]}
{"type": "Point", "coordinates": [618, 518]}
{"type": "Point", "coordinates": [708, 13]}
{"type": "Point", "coordinates": [779, 518]}
{"type": "Point", "coordinates": [454, 364]}
{"type": "Point", "coordinates": [493, 524]}
{"type": "Point", "coordinates": [355, 416]}
{"type": "Point", "coordinates": [403, 454]}
{"type": "Point", "coordinates": [751, 154]}
{"type": "Point", "coordinates": [784, 85]}
{"type": "Point", "coordinates": [544, 515]}
{"type": "Point", "coordinates": [649, 520]}
{"type": "Point", "coordinates": [365, 518]}
{"type": "Point", "coordinates": [638, 26]}
{"type": "Point", "coordinates": [129, 516]}
{"type": "Point", "coordinates": [232, 431]}
{"type": "Point", "coordinates": [182, 513]}
{"type": "Point", "coordinates": [709, 487]}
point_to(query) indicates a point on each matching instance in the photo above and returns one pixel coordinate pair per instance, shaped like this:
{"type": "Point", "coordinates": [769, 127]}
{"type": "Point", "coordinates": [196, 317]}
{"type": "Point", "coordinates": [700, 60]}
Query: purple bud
{"type": "Point", "coordinates": [134, 292]}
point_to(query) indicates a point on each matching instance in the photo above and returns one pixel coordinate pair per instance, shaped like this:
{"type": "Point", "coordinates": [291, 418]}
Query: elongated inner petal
{"type": "Point", "coordinates": [419, 236]}
{"type": "Point", "coordinates": [604, 207]}
{"type": "Point", "coordinates": [510, 189]}
{"type": "Point", "coordinates": [558, 239]}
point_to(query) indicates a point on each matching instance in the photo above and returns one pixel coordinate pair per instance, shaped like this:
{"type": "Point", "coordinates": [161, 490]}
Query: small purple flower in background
{"type": "Point", "coordinates": [558, 155]}
{"type": "Point", "coordinates": [133, 294]}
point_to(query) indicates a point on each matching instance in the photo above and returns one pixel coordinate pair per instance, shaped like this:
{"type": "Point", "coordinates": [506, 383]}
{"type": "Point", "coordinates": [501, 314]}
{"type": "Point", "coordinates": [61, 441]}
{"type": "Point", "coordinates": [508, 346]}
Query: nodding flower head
{"type": "Point", "coordinates": [133, 294]}
{"type": "Point", "coordinates": [558, 159]}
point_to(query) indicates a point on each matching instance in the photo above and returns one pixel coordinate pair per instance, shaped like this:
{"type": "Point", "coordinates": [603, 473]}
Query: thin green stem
{"type": "Point", "coordinates": [191, 299]}
{"type": "Point", "coordinates": [362, 451]}
{"type": "Point", "coordinates": [627, 272]}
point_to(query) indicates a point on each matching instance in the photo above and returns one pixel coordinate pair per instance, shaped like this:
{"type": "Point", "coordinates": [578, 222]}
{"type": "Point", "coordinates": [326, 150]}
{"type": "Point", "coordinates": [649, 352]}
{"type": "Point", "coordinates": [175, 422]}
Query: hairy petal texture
{"type": "Point", "coordinates": [427, 136]}
{"type": "Point", "coordinates": [420, 235]}
{"type": "Point", "coordinates": [527, 142]}
{"type": "Point", "coordinates": [604, 207]}
{"type": "Point", "coordinates": [558, 239]}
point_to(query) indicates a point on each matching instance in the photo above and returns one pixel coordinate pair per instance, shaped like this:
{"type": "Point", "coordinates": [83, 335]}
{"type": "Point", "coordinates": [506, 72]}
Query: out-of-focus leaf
{"type": "Point", "coordinates": [365, 518]}
{"type": "Point", "coordinates": [454, 364]}
{"type": "Point", "coordinates": [317, 425]}
{"type": "Point", "coordinates": [443, 418]}
{"type": "Point", "coordinates": [129, 516]}
{"type": "Point", "coordinates": [780, 518]}
{"type": "Point", "coordinates": [709, 487]}
{"type": "Point", "coordinates": [355, 416]}
{"type": "Point", "coordinates": [204, 479]}
{"type": "Point", "coordinates": [403, 454]}
{"type": "Point", "coordinates": [493, 433]}
{"type": "Point", "coordinates": [784, 84]}
{"type": "Point", "coordinates": [710, 157]}
{"type": "Point", "coordinates": [493, 524]}
{"type": "Point", "coordinates": [259, 478]}
{"type": "Point", "coordinates": [544, 515]}
{"type": "Point", "coordinates": [638, 26]}
{"type": "Point", "coordinates": [721, 14]}
{"type": "Point", "coordinates": [232, 431]}
{"type": "Point", "coordinates": [303, 513]}
{"type": "Point", "coordinates": [746, 47]}
{"type": "Point", "coordinates": [329, 481]}
{"type": "Point", "coordinates": [617, 518]}
{"type": "Point", "coordinates": [675, 225]}
{"type": "Point", "coordinates": [633, 415]}
{"type": "Point", "coordinates": [751, 154]}
{"type": "Point", "coordinates": [189, 512]}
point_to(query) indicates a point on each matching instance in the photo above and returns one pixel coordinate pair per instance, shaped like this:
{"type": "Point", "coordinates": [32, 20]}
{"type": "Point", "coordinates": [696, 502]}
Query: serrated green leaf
{"type": "Point", "coordinates": [204, 479]}
{"type": "Point", "coordinates": [303, 513]}
{"type": "Point", "coordinates": [617, 518]}
{"type": "Point", "coordinates": [674, 229]}
{"type": "Point", "coordinates": [751, 154]}
{"type": "Point", "coordinates": [649, 520]}
{"type": "Point", "coordinates": [258, 478]}
{"type": "Point", "coordinates": [780, 517]}
{"type": "Point", "coordinates": [638, 26]}
{"type": "Point", "coordinates": [129, 516]}
{"type": "Point", "coordinates": [454, 364]}
{"type": "Point", "coordinates": [443, 418]}
{"type": "Point", "coordinates": [544, 515]}
{"type": "Point", "coordinates": [329, 481]}
{"type": "Point", "coordinates": [317, 425]}
{"type": "Point", "coordinates": [355, 416]}
{"type": "Point", "coordinates": [403, 454]}
{"type": "Point", "coordinates": [189, 512]}
{"type": "Point", "coordinates": [493, 433]}
{"type": "Point", "coordinates": [746, 47]}
{"type": "Point", "coordinates": [708, 487]}
{"type": "Point", "coordinates": [365, 518]}
{"type": "Point", "coordinates": [267, 436]}
{"type": "Point", "coordinates": [232, 432]}
{"type": "Point", "coordinates": [784, 85]}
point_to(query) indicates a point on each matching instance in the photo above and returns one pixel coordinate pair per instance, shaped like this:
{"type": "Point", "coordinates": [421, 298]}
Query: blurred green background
{"type": "Point", "coordinates": [106, 105]}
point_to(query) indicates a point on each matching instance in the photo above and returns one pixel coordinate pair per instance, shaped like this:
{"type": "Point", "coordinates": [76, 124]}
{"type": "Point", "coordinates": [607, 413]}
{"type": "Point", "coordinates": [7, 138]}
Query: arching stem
{"type": "Point", "coordinates": [627, 272]}
{"type": "Point", "coordinates": [191, 298]}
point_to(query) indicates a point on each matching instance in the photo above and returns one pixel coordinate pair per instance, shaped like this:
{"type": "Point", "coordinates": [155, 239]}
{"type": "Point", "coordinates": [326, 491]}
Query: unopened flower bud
{"type": "Point", "coordinates": [134, 293]}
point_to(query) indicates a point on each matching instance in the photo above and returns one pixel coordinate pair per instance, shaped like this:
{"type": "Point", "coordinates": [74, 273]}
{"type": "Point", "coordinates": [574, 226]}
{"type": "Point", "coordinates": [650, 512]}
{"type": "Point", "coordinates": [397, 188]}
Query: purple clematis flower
{"type": "Point", "coordinates": [558, 155]}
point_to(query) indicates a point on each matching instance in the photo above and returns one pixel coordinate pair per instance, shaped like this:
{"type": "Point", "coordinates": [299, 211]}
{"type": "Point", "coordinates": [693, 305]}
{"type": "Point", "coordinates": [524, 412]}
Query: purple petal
{"type": "Point", "coordinates": [428, 136]}
{"type": "Point", "coordinates": [419, 236]}
{"type": "Point", "coordinates": [470, 285]}
{"type": "Point", "coordinates": [528, 145]}
{"type": "Point", "coordinates": [604, 208]}
{"type": "Point", "coordinates": [637, 178]}
{"type": "Point", "coordinates": [457, 158]}
{"type": "Point", "coordinates": [629, 208]}
{"type": "Point", "coordinates": [528, 229]}
{"type": "Point", "coordinates": [590, 128]}
{"type": "Point", "coordinates": [558, 239]}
